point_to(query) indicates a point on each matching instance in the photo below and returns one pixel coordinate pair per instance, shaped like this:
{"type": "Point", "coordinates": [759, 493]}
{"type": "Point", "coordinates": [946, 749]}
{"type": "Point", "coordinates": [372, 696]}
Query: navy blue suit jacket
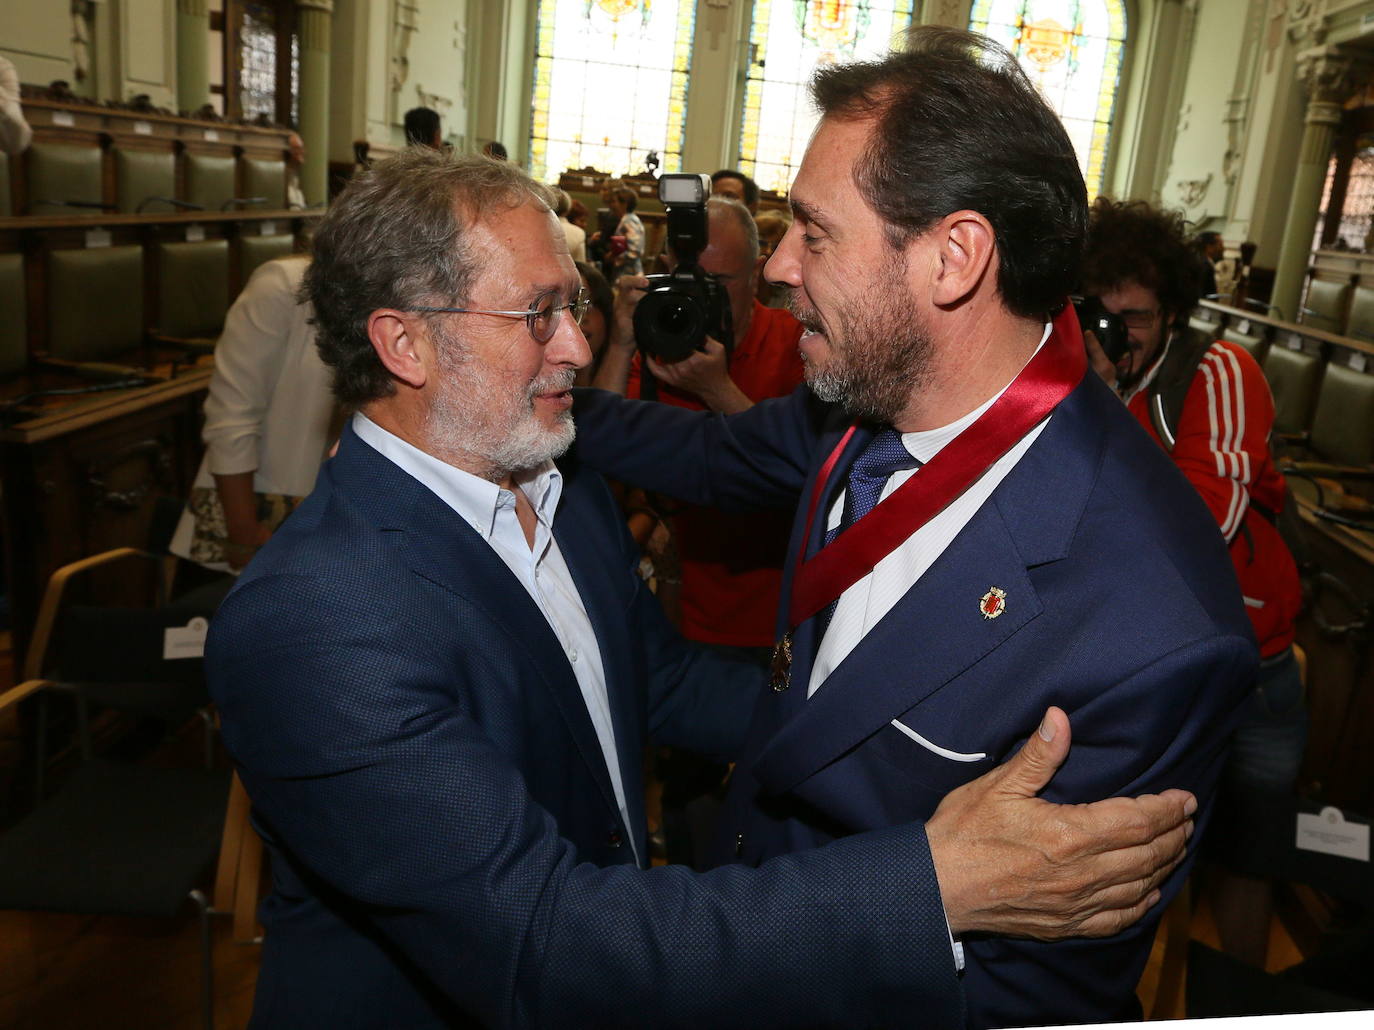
{"type": "Point", "coordinates": [1121, 608]}
{"type": "Point", "coordinates": [446, 848]}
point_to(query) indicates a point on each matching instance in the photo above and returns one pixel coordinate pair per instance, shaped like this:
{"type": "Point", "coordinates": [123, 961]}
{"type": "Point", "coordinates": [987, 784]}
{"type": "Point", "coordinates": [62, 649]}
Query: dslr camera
{"type": "Point", "coordinates": [1109, 329]}
{"type": "Point", "coordinates": [681, 308]}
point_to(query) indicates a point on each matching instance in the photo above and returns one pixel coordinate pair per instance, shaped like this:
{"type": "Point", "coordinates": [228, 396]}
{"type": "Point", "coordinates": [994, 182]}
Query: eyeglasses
{"type": "Point", "coordinates": [542, 317]}
{"type": "Point", "coordinates": [1139, 319]}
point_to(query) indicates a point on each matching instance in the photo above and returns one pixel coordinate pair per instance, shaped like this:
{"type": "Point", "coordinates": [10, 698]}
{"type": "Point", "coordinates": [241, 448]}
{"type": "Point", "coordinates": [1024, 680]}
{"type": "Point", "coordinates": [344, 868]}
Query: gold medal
{"type": "Point", "coordinates": [780, 669]}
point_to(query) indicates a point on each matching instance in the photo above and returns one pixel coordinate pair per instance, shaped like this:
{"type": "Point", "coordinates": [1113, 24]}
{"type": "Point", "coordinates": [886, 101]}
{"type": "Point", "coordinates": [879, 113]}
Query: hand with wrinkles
{"type": "Point", "coordinates": [1012, 864]}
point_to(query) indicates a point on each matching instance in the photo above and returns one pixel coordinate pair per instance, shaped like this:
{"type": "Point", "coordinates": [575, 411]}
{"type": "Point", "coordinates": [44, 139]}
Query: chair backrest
{"type": "Point", "coordinates": [264, 178]}
{"type": "Point", "coordinates": [258, 250]}
{"type": "Point", "coordinates": [14, 323]}
{"type": "Point", "coordinates": [60, 172]}
{"type": "Point", "coordinates": [1361, 323]}
{"type": "Point", "coordinates": [1343, 426]}
{"type": "Point", "coordinates": [209, 180]}
{"type": "Point", "coordinates": [95, 302]}
{"type": "Point", "coordinates": [1257, 345]}
{"type": "Point", "coordinates": [194, 288]}
{"type": "Point", "coordinates": [1326, 305]}
{"type": "Point", "coordinates": [1293, 377]}
{"type": "Point", "coordinates": [140, 174]}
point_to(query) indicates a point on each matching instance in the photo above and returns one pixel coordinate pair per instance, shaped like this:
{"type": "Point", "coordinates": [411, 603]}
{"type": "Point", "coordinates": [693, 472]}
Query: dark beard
{"type": "Point", "coordinates": [885, 359]}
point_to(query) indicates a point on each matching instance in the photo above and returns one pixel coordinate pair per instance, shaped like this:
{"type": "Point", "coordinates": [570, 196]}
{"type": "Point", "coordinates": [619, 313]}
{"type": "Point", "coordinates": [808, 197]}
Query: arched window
{"type": "Point", "coordinates": [1072, 50]}
{"type": "Point", "coordinates": [610, 84]}
{"type": "Point", "coordinates": [788, 41]}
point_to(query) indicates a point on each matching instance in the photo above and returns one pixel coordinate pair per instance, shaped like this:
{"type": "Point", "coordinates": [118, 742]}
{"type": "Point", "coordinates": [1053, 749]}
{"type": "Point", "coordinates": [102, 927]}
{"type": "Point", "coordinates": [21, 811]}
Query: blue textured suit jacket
{"type": "Point", "coordinates": [446, 847]}
{"type": "Point", "coordinates": [1121, 607]}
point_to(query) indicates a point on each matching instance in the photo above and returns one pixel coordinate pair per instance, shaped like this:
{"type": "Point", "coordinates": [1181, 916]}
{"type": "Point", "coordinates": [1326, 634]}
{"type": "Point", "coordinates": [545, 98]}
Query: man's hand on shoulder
{"type": "Point", "coordinates": [706, 375]}
{"type": "Point", "coordinates": [1011, 864]}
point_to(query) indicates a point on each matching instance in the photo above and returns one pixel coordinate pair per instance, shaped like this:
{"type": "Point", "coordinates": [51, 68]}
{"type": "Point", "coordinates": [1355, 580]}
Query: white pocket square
{"type": "Point", "coordinates": [943, 752]}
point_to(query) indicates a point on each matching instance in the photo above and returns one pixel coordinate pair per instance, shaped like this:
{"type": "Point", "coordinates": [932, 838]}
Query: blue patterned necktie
{"type": "Point", "coordinates": [884, 455]}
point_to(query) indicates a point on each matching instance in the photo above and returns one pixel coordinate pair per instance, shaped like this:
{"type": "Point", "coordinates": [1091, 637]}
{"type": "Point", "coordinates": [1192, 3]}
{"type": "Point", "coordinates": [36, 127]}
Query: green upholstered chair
{"type": "Point", "coordinates": [13, 324]}
{"type": "Point", "coordinates": [193, 292]}
{"type": "Point", "coordinates": [1326, 305]}
{"type": "Point", "coordinates": [263, 178]}
{"type": "Point", "coordinates": [1343, 426]}
{"type": "Point", "coordinates": [209, 180]}
{"type": "Point", "coordinates": [1293, 377]}
{"type": "Point", "coordinates": [256, 250]}
{"type": "Point", "coordinates": [1204, 326]}
{"type": "Point", "coordinates": [95, 302]}
{"type": "Point", "coordinates": [1361, 322]}
{"type": "Point", "coordinates": [60, 172]}
{"type": "Point", "coordinates": [5, 210]}
{"type": "Point", "coordinates": [140, 174]}
{"type": "Point", "coordinates": [1255, 343]}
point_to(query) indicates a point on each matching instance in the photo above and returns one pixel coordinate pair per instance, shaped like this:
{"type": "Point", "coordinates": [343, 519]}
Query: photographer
{"type": "Point", "coordinates": [1207, 403]}
{"type": "Point", "coordinates": [731, 565]}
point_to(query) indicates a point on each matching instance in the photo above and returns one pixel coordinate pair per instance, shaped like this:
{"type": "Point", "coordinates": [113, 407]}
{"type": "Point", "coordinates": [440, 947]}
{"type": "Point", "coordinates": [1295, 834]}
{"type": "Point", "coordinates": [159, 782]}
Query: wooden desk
{"type": "Point", "coordinates": [84, 474]}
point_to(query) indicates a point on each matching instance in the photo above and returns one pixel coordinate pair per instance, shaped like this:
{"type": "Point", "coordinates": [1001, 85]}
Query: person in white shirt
{"type": "Point", "coordinates": [437, 680]}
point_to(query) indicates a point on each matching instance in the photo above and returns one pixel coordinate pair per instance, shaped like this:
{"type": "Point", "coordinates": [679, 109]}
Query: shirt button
{"type": "Point", "coordinates": [572, 654]}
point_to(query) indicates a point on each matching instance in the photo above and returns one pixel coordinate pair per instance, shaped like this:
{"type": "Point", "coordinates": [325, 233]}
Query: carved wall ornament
{"type": "Point", "coordinates": [1331, 75]}
{"type": "Point", "coordinates": [434, 101]}
{"type": "Point", "coordinates": [405, 23]}
{"type": "Point", "coordinates": [1192, 191]}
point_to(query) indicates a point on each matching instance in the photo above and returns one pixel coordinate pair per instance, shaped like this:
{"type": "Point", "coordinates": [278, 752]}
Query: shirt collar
{"type": "Point", "coordinates": [475, 499]}
{"type": "Point", "coordinates": [924, 444]}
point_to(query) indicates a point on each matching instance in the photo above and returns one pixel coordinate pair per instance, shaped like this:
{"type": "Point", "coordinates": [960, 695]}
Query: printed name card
{"type": "Point", "coordinates": [1294, 341]}
{"type": "Point", "coordinates": [1243, 326]}
{"type": "Point", "coordinates": [195, 233]}
{"type": "Point", "coordinates": [97, 238]}
{"type": "Point", "coordinates": [212, 135]}
{"type": "Point", "coordinates": [1329, 833]}
{"type": "Point", "coordinates": [143, 128]}
{"type": "Point", "coordinates": [185, 641]}
{"type": "Point", "coordinates": [267, 228]}
{"type": "Point", "coordinates": [1359, 362]}
{"type": "Point", "coordinates": [63, 118]}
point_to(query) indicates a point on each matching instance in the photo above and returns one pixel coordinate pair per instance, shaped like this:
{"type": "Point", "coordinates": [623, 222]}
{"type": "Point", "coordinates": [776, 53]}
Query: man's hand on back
{"type": "Point", "coordinates": [1011, 864]}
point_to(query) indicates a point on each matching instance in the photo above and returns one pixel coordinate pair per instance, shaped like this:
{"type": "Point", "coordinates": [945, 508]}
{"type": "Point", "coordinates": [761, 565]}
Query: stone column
{"type": "Point", "coordinates": [1330, 75]}
{"type": "Point", "coordinates": [314, 23]}
{"type": "Point", "coordinates": [193, 55]}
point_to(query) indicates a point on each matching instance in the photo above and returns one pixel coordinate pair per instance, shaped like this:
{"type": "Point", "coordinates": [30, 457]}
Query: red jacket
{"type": "Point", "coordinates": [732, 564]}
{"type": "Point", "coordinates": [1222, 447]}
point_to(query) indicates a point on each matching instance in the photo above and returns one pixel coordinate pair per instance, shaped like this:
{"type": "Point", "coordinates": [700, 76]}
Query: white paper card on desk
{"type": "Point", "coordinates": [195, 233]}
{"type": "Point", "coordinates": [98, 237]}
{"type": "Point", "coordinates": [1329, 833]}
{"type": "Point", "coordinates": [143, 128]}
{"type": "Point", "coordinates": [1358, 361]}
{"type": "Point", "coordinates": [1294, 341]}
{"type": "Point", "coordinates": [1243, 326]}
{"type": "Point", "coordinates": [267, 228]}
{"type": "Point", "coordinates": [211, 135]}
{"type": "Point", "coordinates": [63, 118]}
{"type": "Point", "coordinates": [185, 641]}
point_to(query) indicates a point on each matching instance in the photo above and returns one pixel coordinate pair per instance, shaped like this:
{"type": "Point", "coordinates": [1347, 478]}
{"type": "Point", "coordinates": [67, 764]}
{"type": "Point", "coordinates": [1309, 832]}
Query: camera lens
{"type": "Point", "coordinates": [669, 324]}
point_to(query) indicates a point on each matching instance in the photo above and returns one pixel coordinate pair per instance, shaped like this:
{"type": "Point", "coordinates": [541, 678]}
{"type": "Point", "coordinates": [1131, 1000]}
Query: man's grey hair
{"type": "Point", "coordinates": [732, 207]}
{"type": "Point", "coordinates": [397, 238]}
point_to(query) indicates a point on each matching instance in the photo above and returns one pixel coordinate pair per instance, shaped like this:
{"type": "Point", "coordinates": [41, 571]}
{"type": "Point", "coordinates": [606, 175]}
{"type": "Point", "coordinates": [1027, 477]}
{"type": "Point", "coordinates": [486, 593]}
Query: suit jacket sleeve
{"type": "Point", "coordinates": [354, 729]}
{"type": "Point", "coordinates": [753, 460]}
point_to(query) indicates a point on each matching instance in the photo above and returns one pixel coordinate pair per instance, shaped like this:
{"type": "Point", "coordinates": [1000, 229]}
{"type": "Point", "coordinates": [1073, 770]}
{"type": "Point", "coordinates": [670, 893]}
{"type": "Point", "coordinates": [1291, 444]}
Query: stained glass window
{"type": "Point", "coordinates": [1072, 50]}
{"type": "Point", "coordinates": [788, 41]}
{"type": "Point", "coordinates": [1356, 216]}
{"type": "Point", "coordinates": [610, 84]}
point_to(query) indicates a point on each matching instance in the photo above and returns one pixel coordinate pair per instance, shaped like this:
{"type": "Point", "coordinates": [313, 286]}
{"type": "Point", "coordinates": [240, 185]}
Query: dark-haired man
{"type": "Point", "coordinates": [423, 129]}
{"type": "Point", "coordinates": [437, 679]}
{"type": "Point", "coordinates": [1206, 403]}
{"type": "Point", "coordinates": [729, 182]}
{"type": "Point", "coordinates": [981, 529]}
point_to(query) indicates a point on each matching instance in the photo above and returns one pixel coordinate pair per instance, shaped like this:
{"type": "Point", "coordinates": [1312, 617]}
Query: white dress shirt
{"type": "Point", "coordinates": [541, 570]}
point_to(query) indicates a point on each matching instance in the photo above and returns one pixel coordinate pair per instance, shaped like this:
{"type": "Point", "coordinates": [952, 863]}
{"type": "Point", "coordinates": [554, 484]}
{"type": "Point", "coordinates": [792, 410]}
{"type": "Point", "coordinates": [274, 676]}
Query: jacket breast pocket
{"type": "Point", "coordinates": [938, 765]}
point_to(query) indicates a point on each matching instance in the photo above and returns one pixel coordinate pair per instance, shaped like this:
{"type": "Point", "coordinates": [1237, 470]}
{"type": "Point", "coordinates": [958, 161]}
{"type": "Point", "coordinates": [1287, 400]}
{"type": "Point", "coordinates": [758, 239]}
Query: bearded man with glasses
{"type": "Point", "coordinates": [437, 680]}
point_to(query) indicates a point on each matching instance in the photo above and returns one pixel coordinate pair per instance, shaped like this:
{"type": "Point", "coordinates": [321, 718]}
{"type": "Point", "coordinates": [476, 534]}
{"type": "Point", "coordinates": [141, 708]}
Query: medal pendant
{"type": "Point", "coordinates": [780, 670]}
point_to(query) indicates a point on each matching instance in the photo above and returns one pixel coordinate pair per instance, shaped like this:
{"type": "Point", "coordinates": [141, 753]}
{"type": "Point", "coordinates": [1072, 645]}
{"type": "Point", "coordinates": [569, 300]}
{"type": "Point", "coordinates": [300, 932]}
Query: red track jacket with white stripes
{"type": "Point", "coordinates": [1222, 447]}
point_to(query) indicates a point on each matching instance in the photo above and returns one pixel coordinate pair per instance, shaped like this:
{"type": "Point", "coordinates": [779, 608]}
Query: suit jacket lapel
{"type": "Point", "coordinates": [937, 630]}
{"type": "Point", "coordinates": [441, 547]}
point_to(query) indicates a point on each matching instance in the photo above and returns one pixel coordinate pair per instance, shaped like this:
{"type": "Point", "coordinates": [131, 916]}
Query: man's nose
{"type": "Point", "coordinates": [568, 346]}
{"type": "Point", "coordinates": [783, 266]}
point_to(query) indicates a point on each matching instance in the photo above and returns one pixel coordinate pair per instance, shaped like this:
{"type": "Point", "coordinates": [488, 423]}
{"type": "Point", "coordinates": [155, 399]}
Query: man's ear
{"type": "Point", "coordinates": [965, 246]}
{"type": "Point", "coordinates": [396, 337]}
